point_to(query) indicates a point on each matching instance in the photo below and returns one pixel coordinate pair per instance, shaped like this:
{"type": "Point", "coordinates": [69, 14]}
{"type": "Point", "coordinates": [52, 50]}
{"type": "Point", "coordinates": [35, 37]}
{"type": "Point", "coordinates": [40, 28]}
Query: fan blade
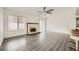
{"type": "Point", "coordinates": [50, 10]}
{"type": "Point", "coordinates": [44, 9]}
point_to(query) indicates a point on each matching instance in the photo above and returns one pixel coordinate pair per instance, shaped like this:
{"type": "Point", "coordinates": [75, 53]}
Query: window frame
{"type": "Point", "coordinates": [17, 22]}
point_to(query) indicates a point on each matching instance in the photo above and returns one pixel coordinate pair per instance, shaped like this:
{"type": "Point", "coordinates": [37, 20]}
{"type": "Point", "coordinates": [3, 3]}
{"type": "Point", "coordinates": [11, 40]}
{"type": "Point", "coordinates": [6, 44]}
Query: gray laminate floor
{"type": "Point", "coordinates": [39, 42]}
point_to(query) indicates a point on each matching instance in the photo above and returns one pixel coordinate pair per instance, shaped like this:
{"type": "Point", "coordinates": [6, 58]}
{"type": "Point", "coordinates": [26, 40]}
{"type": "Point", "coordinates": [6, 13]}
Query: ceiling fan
{"type": "Point", "coordinates": [45, 11]}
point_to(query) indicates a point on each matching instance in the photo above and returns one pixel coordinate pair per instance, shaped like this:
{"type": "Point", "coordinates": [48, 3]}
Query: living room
{"type": "Point", "coordinates": [37, 29]}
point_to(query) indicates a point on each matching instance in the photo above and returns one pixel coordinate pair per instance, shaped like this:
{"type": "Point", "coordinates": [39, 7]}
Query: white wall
{"type": "Point", "coordinates": [29, 18]}
{"type": "Point", "coordinates": [1, 26]}
{"type": "Point", "coordinates": [62, 20]}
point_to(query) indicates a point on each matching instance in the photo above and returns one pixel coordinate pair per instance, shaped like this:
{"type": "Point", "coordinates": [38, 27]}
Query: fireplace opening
{"type": "Point", "coordinates": [32, 29]}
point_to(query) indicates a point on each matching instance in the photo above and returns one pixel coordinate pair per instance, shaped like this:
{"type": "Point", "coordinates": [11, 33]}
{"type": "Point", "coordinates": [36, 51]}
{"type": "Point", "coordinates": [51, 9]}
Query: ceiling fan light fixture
{"type": "Point", "coordinates": [44, 13]}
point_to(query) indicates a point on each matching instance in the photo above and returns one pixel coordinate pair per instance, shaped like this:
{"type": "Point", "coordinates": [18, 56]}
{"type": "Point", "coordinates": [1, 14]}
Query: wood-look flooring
{"type": "Point", "coordinates": [52, 41]}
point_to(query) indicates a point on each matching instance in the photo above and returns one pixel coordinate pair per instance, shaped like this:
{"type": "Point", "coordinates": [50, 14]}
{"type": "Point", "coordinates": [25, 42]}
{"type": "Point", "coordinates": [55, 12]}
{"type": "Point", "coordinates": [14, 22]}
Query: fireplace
{"type": "Point", "coordinates": [32, 28]}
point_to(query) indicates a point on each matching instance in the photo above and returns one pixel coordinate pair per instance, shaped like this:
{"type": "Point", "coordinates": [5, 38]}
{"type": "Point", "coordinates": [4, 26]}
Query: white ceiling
{"type": "Point", "coordinates": [33, 10]}
{"type": "Point", "coordinates": [28, 9]}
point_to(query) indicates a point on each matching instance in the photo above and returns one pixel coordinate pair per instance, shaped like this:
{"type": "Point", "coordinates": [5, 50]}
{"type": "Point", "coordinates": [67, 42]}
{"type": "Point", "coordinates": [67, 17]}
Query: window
{"type": "Point", "coordinates": [16, 23]}
{"type": "Point", "coordinates": [12, 23]}
{"type": "Point", "coordinates": [21, 23]}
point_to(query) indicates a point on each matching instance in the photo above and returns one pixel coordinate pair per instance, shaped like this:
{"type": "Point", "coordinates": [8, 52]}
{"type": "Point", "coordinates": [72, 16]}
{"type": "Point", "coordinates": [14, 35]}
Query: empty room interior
{"type": "Point", "coordinates": [39, 29]}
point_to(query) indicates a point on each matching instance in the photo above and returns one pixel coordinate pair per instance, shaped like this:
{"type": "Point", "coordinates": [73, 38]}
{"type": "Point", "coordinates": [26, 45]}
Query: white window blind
{"type": "Point", "coordinates": [16, 22]}
{"type": "Point", "coordinates": [21, 23]}
{"type": "Point", "coordinates": [12, 22]}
